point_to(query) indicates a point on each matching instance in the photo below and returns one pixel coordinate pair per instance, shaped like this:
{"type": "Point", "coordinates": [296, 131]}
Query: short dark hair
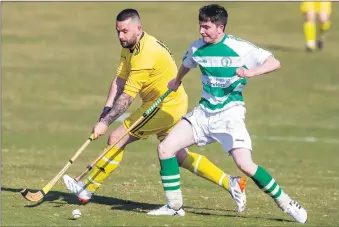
{"type": "Point", "coordinates": [128, 13]}
{"type": "Point", "coordinates": [214, 13]}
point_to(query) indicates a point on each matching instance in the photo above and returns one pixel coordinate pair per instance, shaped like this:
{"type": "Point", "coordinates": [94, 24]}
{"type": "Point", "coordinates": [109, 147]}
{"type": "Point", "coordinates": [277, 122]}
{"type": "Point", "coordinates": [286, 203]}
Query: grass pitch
{"type": "Point", "coordinates": [58, 59]}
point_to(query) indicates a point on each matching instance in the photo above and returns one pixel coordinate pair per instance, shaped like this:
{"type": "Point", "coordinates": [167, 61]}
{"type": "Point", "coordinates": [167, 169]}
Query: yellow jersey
{"type": "Point", "coordinates": [147, 69]}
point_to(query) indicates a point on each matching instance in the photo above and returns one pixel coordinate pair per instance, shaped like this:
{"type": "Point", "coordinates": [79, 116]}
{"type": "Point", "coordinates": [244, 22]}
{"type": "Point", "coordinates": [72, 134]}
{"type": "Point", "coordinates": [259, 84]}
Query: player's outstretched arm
{"type": "Point", "coordinates": [269, 65]}
{"type": "Point", "coordinates": [175, 83]}
{"type": "Point", "coordinates": [182, 72]}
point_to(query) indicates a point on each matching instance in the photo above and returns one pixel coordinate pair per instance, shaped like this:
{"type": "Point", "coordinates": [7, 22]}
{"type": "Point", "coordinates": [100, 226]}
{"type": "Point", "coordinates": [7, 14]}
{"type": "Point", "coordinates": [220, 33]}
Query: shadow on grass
{"type": "Point", "coordinates": [274, 47]}
{"type": "Point", "coordinates": [54, 197]}
{"type": "Point", "coordinates": [239, 216]}
{"type": "Point", "coordinates": [68, 198]}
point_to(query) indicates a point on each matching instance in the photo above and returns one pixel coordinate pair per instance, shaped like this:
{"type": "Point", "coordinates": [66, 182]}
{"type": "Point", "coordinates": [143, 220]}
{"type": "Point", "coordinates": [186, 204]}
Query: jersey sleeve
{"type": "Point", "coordinates": [187, 59]}
{"type": "Point", "coordinates": [135, 82]}
{"type": "Point", "coordinates": [122, 70]}
{"type": "Point", "coordinates": [254, 56]}
{"type": "Point", "coordinates": [141, 67]}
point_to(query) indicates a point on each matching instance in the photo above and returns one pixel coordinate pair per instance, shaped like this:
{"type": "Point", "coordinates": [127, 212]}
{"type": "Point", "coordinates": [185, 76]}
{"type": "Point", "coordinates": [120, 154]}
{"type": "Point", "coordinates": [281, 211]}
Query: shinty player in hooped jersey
{"type": "Point", "coordinates": [146, 66]}
{"type": "Point", "coordinates": [225, 63]}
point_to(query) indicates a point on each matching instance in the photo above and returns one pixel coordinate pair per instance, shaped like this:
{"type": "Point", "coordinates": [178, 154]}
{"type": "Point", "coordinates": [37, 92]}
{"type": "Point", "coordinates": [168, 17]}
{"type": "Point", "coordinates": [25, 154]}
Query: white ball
{"type": "Point", "coordinates": [76, 214]}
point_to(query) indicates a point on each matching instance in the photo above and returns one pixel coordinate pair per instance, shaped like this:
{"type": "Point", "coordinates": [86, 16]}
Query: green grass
{"type": "Point", "coordinates": [57, 62]}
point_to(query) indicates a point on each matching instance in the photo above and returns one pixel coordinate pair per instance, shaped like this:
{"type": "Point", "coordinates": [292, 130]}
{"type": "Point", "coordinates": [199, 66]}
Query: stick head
{"type": "Point", "coordinates": [32, 196]}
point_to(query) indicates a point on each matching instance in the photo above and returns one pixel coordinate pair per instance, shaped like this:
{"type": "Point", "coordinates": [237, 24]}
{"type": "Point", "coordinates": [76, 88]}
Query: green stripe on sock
{"type": "Point", "coordinates": [170, 180]}
{"type": "Point", "coordinates": [262, 178]}
{"type": "Point", "coordinates": [277, 194]}
{"type": "Point", "coordinates": [271, 188]}
{"type": "Point", "coordinates": [170, 169]}
{"type": "Point", "coordinates": [172, 188]}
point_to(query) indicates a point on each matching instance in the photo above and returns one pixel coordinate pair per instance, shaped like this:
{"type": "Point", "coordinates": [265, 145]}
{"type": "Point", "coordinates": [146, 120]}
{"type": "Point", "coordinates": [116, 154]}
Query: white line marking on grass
{"type": "Point", "coordinates": [307, 139]}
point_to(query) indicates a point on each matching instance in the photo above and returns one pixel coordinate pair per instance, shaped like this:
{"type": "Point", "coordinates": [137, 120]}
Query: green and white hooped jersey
{"type": "Point", "coordinates": [218, 62]}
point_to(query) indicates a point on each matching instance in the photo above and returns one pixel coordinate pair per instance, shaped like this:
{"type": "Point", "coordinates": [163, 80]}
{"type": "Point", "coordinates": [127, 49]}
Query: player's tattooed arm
{"type": "Point", "coordinates": [120, 89]}
{"type": "Point", "coordinates": [119, 107]}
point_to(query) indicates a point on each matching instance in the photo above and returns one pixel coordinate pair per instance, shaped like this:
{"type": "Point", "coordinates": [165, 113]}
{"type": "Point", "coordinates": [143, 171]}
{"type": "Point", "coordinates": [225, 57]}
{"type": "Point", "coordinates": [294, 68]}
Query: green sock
{"type": "Point", "coordinates": [266, 183]}
{"type": "Point", "coordinates": [170, 177]}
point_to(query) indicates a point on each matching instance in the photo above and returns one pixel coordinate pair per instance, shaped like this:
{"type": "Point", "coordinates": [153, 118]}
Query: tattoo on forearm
{"type": "Point", "coordinates": [119, 107]}
{"type": "Point", "coordinates": [119, 92]}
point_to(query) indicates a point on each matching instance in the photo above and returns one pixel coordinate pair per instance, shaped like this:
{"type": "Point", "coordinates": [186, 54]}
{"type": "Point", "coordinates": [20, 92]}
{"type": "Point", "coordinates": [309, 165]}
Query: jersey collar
{"type": "Point", "coordinates": [137, 44]}
{"type": "Point", "coordinates": [221, 41]}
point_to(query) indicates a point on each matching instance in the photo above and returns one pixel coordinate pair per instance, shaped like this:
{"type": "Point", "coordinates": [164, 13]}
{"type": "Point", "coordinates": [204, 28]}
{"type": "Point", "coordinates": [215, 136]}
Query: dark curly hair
{"type": "Point", "coordinates": [214, 13]}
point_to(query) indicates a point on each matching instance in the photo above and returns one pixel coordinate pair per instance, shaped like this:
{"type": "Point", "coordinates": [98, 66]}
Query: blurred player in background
{"type": "Point", "coordinates": [226, 62]}
{"type": "Point", "coordinates": [146, 67]}
{"type": "Point", "coordinates": [313, 12]}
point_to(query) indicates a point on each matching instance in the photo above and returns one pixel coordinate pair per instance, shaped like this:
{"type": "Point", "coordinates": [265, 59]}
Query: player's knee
{"type": "Point", "coordinates": [310, 16]}
{"type": "Point", "coordinates": [247, 167]}
{"type": "Point", "coordinates": [112, 139]}
{"type": "Point", "coordinates": [115, 138]}
{"type": "Point", "coordinates": [164, 151]}
{"type": "Point", "coordinates": [323, 18]}
{"type": "Point", "coordinates": [243, 160]}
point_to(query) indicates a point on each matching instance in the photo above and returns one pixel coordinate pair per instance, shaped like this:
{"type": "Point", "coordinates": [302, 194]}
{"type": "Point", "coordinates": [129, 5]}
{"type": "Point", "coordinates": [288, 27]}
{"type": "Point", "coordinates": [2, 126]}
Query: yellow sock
{"type": "Point", "coordinates": [103, 168]}
{"type": "Point", "coordinates": [310, 34]}
{"type": "Point", "coordinates": [200, 165]}
{"type": "Point", "coordinates": [324, 27]}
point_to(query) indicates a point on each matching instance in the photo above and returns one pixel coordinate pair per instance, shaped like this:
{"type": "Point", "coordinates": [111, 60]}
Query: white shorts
{"type": "Point", "coordinates": [226, 127]}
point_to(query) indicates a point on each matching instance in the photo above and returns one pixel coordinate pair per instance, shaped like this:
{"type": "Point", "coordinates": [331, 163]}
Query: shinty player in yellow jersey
{"type": "Point", "coordinates": [313, 11]}
{"type": "Point", "coordinates": [146, 67]}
